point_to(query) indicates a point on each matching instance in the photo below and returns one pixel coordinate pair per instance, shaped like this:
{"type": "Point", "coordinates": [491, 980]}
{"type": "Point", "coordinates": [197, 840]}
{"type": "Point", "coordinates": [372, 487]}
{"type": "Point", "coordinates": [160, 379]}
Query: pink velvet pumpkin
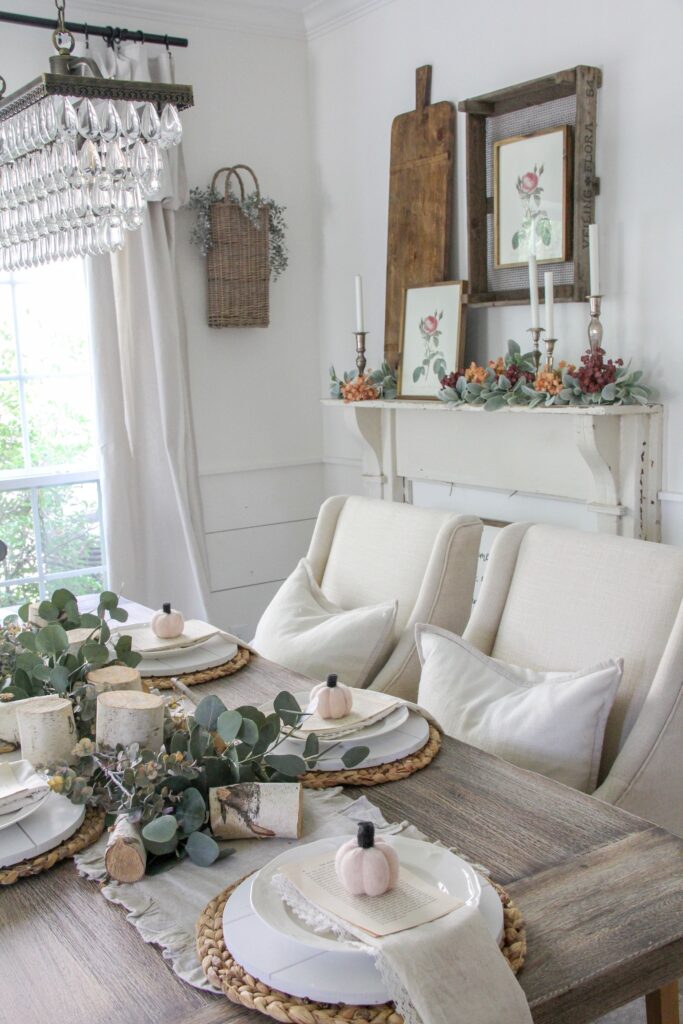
{"type": "Point", "coordinates": [365, 865]}
{"type": "Point", "coordinates": [332, 699]}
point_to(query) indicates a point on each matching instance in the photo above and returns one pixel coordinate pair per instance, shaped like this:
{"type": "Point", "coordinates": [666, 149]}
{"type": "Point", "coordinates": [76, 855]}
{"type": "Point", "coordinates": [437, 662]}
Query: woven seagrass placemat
{"type": "Point", "coordinates": [91, 829]}
{"type": "Point", "coordinates": [207, 675]}
{"type": "Point", "coordinates": [380, 773]}
{"type": "Point", "coordinates": [226, 975]}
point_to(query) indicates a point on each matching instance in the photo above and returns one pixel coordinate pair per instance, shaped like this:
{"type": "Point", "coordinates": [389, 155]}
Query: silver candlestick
{"type": "Point", "coordinates": [595, 327]}
{"type": "Point", "coordinates": [360, 350]}
{"type": "Point", "coordinates": [549, 349]}
{"type": "Point", "coordinates": [536, 333]}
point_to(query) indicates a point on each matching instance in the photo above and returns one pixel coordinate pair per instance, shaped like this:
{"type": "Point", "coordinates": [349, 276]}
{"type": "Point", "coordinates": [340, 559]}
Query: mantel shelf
{"type": "Point", "coordinates": [607, 457]}
{"type": "Point", "coordinates": [414, 405]}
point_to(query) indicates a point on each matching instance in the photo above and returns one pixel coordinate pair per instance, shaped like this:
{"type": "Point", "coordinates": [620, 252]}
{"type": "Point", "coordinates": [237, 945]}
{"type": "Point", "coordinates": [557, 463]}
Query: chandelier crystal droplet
{"type": "Point", "coordinates": [78, 165]}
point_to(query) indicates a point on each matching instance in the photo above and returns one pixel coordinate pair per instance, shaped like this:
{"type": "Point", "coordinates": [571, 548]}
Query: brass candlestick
{"type": "Point", "coordinates": [536, 333]}
{"type": "Point", "coordinates": [549, 349]}
{"type": "Point", "coordinates": [595, 327]}
{"type": "Point", "coordinates": [360, 350]}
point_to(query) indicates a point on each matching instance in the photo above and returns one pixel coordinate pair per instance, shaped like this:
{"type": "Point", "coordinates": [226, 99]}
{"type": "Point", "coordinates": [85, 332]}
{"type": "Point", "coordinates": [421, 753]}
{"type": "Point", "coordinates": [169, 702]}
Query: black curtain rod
{"type": "Point", "coordinates": [112, 35]}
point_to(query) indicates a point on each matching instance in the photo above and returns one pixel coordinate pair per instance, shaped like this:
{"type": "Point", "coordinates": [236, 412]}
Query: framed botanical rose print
{"type": "Point", "coordinates": [432, 337]}
{"type": "Point", "coordinates": [531, 197]}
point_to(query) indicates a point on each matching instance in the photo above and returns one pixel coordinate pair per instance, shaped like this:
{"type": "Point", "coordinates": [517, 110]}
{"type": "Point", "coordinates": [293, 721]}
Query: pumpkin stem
{"type": "Point", "coordinates": [366, 834]}
{"type": "Point", "coordinates": [166, 607]}
{"type": "Point", "coordinates": [332, 681]}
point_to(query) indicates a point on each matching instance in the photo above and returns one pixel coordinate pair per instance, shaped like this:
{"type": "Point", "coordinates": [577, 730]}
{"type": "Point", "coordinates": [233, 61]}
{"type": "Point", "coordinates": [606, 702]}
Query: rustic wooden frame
{"type": "Point", "coordinates": [566, 132]}
{"type": "Point", "coordinates": [460, 348]}
{"type": "Point", "coordinates": [582, 82]}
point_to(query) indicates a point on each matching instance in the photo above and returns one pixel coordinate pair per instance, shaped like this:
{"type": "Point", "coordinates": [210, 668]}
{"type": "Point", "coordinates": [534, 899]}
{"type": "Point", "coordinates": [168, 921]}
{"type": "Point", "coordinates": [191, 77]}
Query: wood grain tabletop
{"type": "Point", "coordinates": [601, 891]}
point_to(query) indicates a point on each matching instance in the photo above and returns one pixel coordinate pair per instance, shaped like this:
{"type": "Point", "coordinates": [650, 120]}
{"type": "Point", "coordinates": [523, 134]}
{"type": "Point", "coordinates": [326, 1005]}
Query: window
{"type": "Point", "coordinates": [50, 516]}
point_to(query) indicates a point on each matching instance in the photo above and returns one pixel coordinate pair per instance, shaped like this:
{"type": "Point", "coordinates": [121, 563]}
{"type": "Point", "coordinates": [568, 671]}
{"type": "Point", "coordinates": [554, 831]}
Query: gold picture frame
{"type": "Point", "coordinates": [430, 312]}
{"type": "Point", "coordinates": [532, 207]}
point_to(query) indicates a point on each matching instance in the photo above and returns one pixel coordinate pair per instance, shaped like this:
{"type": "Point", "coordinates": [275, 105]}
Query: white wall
{"type": "Point", "coordinates": [362, 75]}
{"type": "Point", "coordinates": [254, 391]}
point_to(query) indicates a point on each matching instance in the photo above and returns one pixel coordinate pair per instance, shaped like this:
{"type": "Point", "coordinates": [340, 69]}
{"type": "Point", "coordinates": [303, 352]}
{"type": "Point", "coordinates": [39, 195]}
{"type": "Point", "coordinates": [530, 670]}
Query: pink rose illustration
{"type": "Point", "coordinates": [430, 324]}
{"type": "Point", "coordinates": [528, 182]}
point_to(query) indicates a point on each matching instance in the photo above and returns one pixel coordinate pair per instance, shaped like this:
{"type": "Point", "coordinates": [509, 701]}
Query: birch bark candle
{"type": "Point", "coordinates": [129, 716]}
{"type": "Point", "coordinates": [257, 810]}
{"type": "Point", "coordinates": [115, 677]}
{"type": "Point", "coordinates": [125, 857]}
{"type": "Point", "coordinates": [47, 731]}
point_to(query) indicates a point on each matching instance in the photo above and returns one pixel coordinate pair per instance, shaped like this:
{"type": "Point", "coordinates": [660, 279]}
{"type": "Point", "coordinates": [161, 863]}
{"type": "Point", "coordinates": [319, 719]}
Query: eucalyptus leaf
{"type": "Point", "coordinates": [312, 746]}
{"type": "Point", "coordinates": [118, 614]}
{"type": "Point", "coordinates": [248, 732]}
{"type": "Point", "coordinates": [47, 611]}
{"type": "Point", "coordinates": [228, 725]}
{"type": "Point", "coordinates": [289, 765]}
{"type": "Point", "coordinates": [208, 711]}
{"type": "Point", "coordinates": [287, 708]}
{"type": "Point", "coordinates": [59, 678]}
{"type": "Point", "coordinates": [190, 810]}
{"type": "Point", "coordinates": [202, 849]}
{"type": "Point", "coordinates": [354, 756]}
{"type": "Point", "coordinates": [27, 640]}
{"type": "Point", "coordinates": [52, 640]}
{"type": "Point", "coordinates": [160, 836]}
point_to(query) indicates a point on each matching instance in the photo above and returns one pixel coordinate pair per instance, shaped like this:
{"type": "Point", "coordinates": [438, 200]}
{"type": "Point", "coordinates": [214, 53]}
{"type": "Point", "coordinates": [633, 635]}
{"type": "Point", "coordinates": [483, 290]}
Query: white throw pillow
{"type": "Point", "coordinates": [304, 631]}
{"type": "Point", "coordinates": [552, 723]}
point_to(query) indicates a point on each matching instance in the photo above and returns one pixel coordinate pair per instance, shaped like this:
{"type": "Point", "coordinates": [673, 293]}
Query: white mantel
{"type": "Point", "coordinates": [608, 457]}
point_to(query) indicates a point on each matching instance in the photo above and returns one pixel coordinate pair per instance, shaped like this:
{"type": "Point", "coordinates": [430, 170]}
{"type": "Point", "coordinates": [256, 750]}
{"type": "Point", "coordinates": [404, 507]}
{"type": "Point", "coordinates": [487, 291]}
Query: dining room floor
{"type": "Point", "coordinates": [633, 1013]}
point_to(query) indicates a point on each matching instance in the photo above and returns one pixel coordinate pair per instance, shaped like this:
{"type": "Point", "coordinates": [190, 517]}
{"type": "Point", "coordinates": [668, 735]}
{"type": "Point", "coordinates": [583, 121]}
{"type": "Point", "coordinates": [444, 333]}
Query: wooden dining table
{"type": "Point", "coordinates": [600, 889]}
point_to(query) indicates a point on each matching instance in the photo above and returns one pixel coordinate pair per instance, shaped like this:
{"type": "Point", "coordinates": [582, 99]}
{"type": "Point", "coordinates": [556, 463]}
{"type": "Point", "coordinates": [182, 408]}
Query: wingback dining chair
{"type": "Point", "coordinates": [365, 551]}
{"type": "Point", "coordinates": [561, 599]}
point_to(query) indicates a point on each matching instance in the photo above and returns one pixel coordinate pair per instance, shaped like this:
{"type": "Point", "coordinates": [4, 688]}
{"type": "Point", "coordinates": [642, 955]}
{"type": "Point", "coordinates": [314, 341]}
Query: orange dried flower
{"type": "Point", "coordinates": [569, 367]}
{"type": "Point", "coordinates": [551, 382]}
{"type": "Point", "coordinates": [498, 365]}
{"type": "Point", "coordinates": [359, 390]}
{"type": "Point", "coordinates": [475, 373]}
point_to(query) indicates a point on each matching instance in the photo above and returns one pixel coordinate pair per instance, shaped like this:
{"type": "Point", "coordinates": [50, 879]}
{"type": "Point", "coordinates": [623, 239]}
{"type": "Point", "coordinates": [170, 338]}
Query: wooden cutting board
{"type": "Point", "coordinates": [420, 202]}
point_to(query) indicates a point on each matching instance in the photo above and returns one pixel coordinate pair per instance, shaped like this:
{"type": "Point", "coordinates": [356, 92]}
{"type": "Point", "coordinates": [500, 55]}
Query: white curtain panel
{"type": "Point", "coordinates": [154, 534]}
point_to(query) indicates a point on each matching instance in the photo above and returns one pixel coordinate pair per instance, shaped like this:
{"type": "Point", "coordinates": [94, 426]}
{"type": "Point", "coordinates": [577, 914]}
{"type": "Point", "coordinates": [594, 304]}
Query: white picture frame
{"type": "Point", "coordinates": [432, 337]}
{"type": "Point", "coordinates": [531, 197]}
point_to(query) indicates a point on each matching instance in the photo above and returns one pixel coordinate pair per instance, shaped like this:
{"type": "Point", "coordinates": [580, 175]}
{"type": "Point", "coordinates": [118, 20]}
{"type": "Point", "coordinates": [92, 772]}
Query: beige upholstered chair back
{"type": "Point", "coordinates": [380, 551]}
{"type": "Point", "coordinates": [366, 551]}
{"type": "Point", "coordinates": [558, 599]}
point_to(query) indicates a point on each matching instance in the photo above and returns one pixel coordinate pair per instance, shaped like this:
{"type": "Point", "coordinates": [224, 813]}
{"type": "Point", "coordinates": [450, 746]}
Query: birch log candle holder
{"type": "Point", "coordinates": [125, 857]}
{"type": "Point", "coordinates": [115, 677]}
{"type": "Point", "coordinates": [129, 716]}
{"type": "Point", "coordinates": [257, 810]}
{"type": "Point", "coordinates": [47, 731]}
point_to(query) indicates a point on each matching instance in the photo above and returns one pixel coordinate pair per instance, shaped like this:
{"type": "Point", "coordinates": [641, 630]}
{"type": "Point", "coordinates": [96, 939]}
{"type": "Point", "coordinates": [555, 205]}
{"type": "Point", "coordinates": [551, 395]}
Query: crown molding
{"type": "Point", "coordinates": [241, 15]}
{"type": "Point", "coordinates": [323, 16]}
{"type": "Point", "coordinates": [289, 20]}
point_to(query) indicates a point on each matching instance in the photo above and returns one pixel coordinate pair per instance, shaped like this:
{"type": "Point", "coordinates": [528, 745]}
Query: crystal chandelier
{"type": "Point", "coordinates": [80, 156]}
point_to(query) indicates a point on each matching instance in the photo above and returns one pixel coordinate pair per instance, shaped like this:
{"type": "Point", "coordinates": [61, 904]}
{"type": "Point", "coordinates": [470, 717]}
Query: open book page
{"type": "Point", "coordinates": [411, 903]}
{"type": "Point", "coordinates": [368, 706]}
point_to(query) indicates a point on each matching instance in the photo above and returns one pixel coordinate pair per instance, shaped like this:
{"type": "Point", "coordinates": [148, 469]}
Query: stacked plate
{"type": "Point", "coordinates": [36, 827]}
{"type": "Point", "coordinates": [400, 733]}
{"type": "Point", "coordinates": [199, 647]}
{"type": "Point", "coordinates": [271, 943]}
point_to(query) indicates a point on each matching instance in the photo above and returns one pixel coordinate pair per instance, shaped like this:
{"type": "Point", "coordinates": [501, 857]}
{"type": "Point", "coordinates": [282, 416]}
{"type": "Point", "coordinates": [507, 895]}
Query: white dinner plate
{"type": "Point", "coordinates": [435, 864]}
{"type": "Point", "coordinates": [6, 820]}
{"type": "Point", "coordinates": [213, 652]}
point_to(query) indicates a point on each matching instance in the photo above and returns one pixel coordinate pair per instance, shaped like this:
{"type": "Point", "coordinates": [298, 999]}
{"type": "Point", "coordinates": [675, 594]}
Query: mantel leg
{"type": "Point", "coordinates": [376, 430]}
{"type": "Point", "coordinates": [662, 1006]}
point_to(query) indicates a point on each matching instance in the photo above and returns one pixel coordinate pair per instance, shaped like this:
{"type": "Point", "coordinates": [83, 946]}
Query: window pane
{"type": "Point", "coordinates": [14, 597]}
{"type": "Point", "coordinates": [16, 530]}
{"type": "Point", "coordinates": [90, 584]}
{"type": "Point", "coordinates": [52, 319]}
{"type": "Point", "coordinates": [60, 421]}
{"type": "Point", "coordinates": [70, 528]}
{"type": "Point", "coordinates": [8, 360]}
{"type": "Point", "coordinates": [11, 448]}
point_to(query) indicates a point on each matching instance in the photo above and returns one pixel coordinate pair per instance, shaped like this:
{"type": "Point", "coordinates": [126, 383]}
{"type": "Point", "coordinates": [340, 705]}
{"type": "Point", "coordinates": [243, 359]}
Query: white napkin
{"type": "Point", "coordinates": [145, 640]}
{"type": "Point", "coordinates": [448, 971]}
{"type": "Point", "coordinates": [19, 785]}
{"type": "Point", "coordinates": [368, 706]}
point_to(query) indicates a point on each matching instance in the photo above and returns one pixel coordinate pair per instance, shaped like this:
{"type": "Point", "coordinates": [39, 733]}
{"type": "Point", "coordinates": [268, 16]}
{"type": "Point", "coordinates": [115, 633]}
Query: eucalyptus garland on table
{"type": "Point", "coordinates": [202, 199]}
{"type": "Point", "coordinates": [167, 794]}
{"type": "Point", "coordinates": [40, 660]}
{"type": "Point", "coordinates": [382, 381]}
{"type": "Point", "coordinates": [511, 381]}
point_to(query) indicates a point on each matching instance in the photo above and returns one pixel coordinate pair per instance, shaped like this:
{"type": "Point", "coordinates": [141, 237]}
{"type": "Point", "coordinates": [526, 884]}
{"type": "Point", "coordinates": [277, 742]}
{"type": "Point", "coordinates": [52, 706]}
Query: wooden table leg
{"type": "Point", "coordinates": [662, 1006]}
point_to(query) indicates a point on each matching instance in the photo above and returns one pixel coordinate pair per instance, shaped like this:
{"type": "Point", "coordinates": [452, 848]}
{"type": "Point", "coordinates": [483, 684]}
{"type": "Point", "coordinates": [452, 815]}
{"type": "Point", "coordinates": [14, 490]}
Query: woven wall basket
{"type": "Point", "coordinates": [237, 263]}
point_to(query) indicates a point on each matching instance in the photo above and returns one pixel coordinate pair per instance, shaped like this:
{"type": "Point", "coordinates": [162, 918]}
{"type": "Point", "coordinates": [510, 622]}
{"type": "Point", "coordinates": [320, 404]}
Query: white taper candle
{"type": "Point", "coordinates": [549, 305]}
{"type": "Point", "coordinates": [360, 319]}
{"type": "Point", "coordinates": [533, 291]}
{"type": "Point", "coordinates": [594, 253]}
